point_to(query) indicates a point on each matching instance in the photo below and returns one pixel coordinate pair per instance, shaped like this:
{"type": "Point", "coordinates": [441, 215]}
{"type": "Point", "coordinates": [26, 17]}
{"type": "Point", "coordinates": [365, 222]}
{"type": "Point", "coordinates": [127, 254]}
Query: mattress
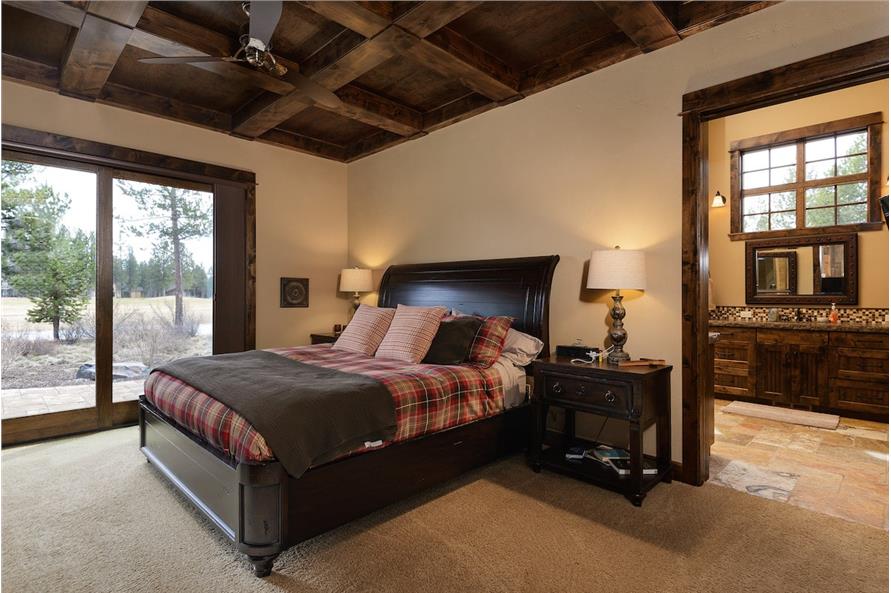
{"type": "Point", "coordinates": [428, 398]}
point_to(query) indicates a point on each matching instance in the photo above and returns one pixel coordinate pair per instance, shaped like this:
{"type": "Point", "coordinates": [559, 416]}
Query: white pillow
{"type": "Point", "coordinates": [521, 349]}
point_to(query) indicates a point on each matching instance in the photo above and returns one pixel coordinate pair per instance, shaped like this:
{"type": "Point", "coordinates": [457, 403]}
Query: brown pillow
{"type": "Point", "coordinates": [453, 340]}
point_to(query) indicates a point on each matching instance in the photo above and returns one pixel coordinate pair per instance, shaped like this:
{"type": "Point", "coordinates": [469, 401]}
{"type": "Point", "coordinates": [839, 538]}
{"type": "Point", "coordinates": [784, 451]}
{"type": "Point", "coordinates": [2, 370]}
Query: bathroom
{"type": "Point", "coordinates": [798, 299]}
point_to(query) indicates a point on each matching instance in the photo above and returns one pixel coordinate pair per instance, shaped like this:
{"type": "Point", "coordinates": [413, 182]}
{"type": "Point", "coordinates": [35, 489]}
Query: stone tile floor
{"type": "Point", "coordinates": [44, 400]}
{"type": "Point", "coordinates": [842, 472]}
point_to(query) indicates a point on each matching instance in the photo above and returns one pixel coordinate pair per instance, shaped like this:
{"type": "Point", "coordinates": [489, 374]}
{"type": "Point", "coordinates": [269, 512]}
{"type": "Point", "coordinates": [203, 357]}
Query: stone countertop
{"type": "Point", "coordinates": [802, 325]}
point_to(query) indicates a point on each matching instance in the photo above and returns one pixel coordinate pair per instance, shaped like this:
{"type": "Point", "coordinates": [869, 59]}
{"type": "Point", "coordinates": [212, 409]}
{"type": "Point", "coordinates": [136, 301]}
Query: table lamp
{"type": "Point", "coordinates": [615, 269]}
{"type": "Point", "coordinates": [356, 280]}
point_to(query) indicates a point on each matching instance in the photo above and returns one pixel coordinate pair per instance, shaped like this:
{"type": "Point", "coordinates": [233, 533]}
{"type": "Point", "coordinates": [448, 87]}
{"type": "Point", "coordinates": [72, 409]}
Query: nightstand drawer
{"type": "Point", "coordinates": [606, 395]}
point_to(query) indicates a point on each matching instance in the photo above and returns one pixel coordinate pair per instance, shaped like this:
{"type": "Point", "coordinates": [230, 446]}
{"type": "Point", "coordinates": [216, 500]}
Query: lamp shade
{"type": "Point", "coordinates": [356, 280]}
{"type": "Point", "coordinates": [617, 268]}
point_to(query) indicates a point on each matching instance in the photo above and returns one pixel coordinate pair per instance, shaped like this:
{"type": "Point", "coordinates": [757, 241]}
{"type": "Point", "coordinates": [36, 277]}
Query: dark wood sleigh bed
{"type": "Point", "coordinates": [264, 510]}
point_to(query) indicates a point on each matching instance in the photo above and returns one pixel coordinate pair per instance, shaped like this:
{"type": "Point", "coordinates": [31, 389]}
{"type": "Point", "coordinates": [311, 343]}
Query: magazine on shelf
{"type": "Point", "coordinates": [603, 453]}
{"type": "Point", "coordinates": [623, 467]}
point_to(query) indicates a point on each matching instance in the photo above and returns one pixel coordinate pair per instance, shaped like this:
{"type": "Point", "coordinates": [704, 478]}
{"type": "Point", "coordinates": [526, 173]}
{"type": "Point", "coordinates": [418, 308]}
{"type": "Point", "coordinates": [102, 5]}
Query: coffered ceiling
{"type": "Point", "coordinates": [400, 69]}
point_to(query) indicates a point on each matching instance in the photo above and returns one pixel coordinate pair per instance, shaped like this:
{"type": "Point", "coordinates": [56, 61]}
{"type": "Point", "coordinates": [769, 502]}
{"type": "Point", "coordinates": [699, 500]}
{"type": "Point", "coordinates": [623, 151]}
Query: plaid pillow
{"type": "Point", "coordinates": [366, 330]}
{"type": "Point", "coordinates": [411, 333]}
{"type": "Point", "coordinates": [489, 341]}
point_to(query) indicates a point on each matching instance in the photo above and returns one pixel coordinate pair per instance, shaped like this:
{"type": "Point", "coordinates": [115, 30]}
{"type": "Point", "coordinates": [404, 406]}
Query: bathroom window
{"type": "Point", "coordinates": [825, 177]}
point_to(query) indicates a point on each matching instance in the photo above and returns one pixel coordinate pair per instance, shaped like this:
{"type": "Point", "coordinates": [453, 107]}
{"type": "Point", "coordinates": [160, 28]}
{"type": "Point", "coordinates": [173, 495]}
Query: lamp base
{"type": "Point", "coordinates": [617, 334]}
{"type": "Point", "coordinates": [617, 356]}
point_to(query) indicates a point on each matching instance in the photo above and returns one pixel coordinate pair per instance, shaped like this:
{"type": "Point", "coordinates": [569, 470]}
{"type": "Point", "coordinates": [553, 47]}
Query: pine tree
{"type": "Point", "coordinates": [41, 259]}
{"type": "Point", "coordinates": [174, 215]}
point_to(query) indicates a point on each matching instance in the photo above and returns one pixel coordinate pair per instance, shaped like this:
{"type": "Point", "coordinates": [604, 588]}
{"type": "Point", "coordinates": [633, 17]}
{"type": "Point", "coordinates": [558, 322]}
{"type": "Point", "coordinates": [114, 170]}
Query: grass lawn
{"type": "Point", "coordinates": [143, 332]}
{"type": "Point", "coordinates": [13, 310]}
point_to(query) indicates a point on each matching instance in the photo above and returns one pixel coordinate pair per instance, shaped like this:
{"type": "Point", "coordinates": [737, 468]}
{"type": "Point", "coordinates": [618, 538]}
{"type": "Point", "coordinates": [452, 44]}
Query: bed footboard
{"type": "Point", "coordinates": [263, 510]}
{"type": "Point", "coordinates": [248, 503]}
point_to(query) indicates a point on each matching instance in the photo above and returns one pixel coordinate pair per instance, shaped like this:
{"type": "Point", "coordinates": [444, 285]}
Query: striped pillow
{"type": "Point", "coordinates": [489, 341]}
{"type": "Point", "coordinates": [366, 330]}
{"type": "Point", "coordinates": [411, 333]}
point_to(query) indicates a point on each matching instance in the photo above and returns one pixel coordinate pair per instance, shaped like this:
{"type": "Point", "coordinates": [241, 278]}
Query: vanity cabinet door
{"type": "Point", "coordinates": [792, 367]}
{"type": "Point", "coordinates": [809, 374]}
{"type": "Point", "coordinates": [859, 373]}
{"type": "Point", "coordinates": [773, 377]}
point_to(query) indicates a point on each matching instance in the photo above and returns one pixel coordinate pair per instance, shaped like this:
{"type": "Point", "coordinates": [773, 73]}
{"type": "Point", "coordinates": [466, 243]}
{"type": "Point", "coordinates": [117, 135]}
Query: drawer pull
{"type": "Point", "coordinates": [557, 388]}
{"type": "Point", "coordinates": [610, 397]}
{"type": "Point", "coordinates": [580, 390]}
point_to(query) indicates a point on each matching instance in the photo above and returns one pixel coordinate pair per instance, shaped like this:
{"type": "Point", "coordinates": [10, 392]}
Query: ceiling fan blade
{"type": "Point", "coordinates": [264, 19]}
{"type": "Point", "coordinates": [314, 91]}
{"type": "Point", "coordinates": [186, 60]}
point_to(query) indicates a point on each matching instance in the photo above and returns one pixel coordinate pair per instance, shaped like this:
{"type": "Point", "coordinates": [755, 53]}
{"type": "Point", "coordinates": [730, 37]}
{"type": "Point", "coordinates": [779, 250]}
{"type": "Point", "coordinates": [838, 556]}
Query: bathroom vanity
{"type": "Point", "coordinates": [841, 368]}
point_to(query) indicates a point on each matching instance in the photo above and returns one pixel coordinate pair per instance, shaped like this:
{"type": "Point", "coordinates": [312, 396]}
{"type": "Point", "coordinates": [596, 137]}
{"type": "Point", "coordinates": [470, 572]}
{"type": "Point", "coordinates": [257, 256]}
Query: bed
{"type": "Point", "coordinates": [264, 510]}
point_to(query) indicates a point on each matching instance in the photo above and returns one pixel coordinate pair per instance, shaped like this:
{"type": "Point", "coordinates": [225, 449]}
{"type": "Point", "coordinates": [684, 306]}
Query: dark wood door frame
{"type": "Point", "coordinates": [104, 160]}
{"type": "Point", "coordinates": [866, 62]}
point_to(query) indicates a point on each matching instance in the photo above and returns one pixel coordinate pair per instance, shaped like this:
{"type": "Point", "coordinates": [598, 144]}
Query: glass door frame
{"type": "Point", "coordinates": [234, 197]}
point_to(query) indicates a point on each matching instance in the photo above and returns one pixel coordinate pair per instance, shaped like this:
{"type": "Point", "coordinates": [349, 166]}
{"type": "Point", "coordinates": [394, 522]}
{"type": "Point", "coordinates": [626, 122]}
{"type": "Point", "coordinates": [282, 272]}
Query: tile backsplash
{"type": "Point", "coordinates": [847, 314]}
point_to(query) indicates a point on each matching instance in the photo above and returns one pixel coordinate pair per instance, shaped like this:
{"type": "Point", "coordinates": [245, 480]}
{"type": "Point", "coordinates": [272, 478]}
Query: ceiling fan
{"type": "Point", "coordinates": [255, 50]}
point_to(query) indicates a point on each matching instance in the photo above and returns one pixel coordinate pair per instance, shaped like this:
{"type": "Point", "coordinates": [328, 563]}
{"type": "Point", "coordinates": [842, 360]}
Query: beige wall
{"type": "Point", "coordinates": [301, 200]}
{"type": "Point", "coordinates": [589, 164]}
{"type": "Point", "coordinates": [726, 257]}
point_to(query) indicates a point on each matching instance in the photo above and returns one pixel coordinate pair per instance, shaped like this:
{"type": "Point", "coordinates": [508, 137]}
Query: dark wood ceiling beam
{"type": "Point", "coordinates": [23, 70]}
{"type": "Point", "coordinates": [458, 110]}
{"type": "Point", "coordinates": [425, 18]}
{"type": "Point", "coordinates": [94, 50]}
{"type": "Point", "coordinates": [454, 56]}
{"type": "Point", "coordinates": [643, 22]}
{"type": "Point", "coordinates": [584, 60]}
{"type": "Point", "coordinates": [136, 100]}
{"type": "Point", "coordinates": [51, 9]}
{"type": "Point", "coordinates": [351, 15]}
{"type": "Point", "coordinates": [201, 40]}
{"type": "Point", "coordinates": [438, 48]}
{"type": "Point", "coordinates": [374, 110]}
{"type": "Point", "coordinates": [265, 113]}
{"type": "Point", "coordinates": [304, 144]}
{"type": "Point", "coordinates": [694, 17]}
{"type": "Point", "coordinates": [123, 12]}
{"type": "Point", "coordinates": [375, 143]}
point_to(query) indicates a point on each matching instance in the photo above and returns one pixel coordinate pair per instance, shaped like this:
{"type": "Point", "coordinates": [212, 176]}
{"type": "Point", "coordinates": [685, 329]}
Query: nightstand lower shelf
{"type": "Point", "coordinates": [553, 459]}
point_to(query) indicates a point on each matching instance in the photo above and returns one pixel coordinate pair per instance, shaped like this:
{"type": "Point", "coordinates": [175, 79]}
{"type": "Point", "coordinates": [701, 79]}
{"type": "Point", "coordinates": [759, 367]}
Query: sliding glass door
{"type": "Point", "coordinates": [114, 261]}
{"type": "Point", "coordinates": [48, 300]}
{"type": "Point", "coordinates": [163, 276]}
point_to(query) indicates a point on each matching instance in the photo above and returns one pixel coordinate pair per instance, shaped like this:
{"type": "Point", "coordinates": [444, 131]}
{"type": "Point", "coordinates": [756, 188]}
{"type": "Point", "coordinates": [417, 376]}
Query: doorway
{"type": "Point", "coordinates": [866, 62]}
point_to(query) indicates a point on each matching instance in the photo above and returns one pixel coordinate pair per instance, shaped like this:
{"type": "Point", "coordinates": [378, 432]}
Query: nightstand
{"type": "Point", "coordinates": [323, 338]}
{"type": "Point", "coordinates": [641, 396]}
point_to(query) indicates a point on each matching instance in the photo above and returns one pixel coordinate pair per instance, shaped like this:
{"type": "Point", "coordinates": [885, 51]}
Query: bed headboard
{"type": "Point", "coordinates": [519, 287]}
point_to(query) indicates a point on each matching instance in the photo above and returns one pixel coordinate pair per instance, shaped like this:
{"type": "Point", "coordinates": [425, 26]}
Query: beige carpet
{"type": "Point", "coordinates": [89, 514]}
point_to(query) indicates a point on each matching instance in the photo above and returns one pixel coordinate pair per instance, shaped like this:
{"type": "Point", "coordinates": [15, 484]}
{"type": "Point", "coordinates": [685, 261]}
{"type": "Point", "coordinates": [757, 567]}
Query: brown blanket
{"type": "Point", "coordinates": [308, 415]}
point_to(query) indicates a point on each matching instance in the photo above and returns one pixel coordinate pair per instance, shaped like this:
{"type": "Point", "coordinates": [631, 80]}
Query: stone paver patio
{"type": "Point", "coordinates": [44, 400]}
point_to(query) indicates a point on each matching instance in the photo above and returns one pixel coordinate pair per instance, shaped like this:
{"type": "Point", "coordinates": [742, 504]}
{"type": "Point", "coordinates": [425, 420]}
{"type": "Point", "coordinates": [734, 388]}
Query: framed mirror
{"type": "Point", "coordinates": [802, 271]}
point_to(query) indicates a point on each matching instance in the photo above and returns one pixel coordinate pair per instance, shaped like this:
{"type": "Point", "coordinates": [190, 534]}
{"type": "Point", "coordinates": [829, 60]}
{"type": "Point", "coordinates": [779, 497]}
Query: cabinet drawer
{"type": "Point", "coordinates": [785, 337]}
{"type": "Point", "coordinates": [859, 396]}
{"type": "Point", "coordinates": [861, 365]}
{"type": "Point", "coordinates": [606, 395]}
{"type": "Point", "coordinates": [859, 340]}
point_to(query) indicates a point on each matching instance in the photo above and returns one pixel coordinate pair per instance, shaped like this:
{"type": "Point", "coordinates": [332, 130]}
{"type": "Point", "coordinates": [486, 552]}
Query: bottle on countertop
{"type": "Point", "coordinates": [833, 314]}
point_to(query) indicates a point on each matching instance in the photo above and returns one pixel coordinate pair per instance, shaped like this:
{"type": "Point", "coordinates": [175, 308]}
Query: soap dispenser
{"type": "Point", "coordinates": [833, 314]}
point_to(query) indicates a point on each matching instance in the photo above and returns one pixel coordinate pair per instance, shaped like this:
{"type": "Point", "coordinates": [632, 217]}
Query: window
{"type": "Point", "coordinates": [114, 260]}
{"type": "Point", "coordinates": [808, 180]}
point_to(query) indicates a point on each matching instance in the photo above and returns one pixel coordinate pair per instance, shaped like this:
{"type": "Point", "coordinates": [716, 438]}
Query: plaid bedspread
{"type": "Point", "coordinates": [428, 399]}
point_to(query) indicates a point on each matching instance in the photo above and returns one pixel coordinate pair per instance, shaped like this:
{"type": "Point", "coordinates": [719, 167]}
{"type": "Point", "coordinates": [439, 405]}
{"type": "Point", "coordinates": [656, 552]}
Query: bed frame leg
{"type": "Point", "coordinates": [262, 565]}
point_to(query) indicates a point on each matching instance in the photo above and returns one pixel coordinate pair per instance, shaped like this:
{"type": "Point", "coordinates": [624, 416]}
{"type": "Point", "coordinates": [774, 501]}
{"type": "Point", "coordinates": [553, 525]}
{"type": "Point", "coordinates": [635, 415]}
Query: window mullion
{"type": "Point", "coordinates": [799, 188]}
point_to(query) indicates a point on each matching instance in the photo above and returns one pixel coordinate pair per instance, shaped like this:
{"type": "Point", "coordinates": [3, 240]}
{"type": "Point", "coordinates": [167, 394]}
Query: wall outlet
{"type": "Point", "coordinates": [746, 314]}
